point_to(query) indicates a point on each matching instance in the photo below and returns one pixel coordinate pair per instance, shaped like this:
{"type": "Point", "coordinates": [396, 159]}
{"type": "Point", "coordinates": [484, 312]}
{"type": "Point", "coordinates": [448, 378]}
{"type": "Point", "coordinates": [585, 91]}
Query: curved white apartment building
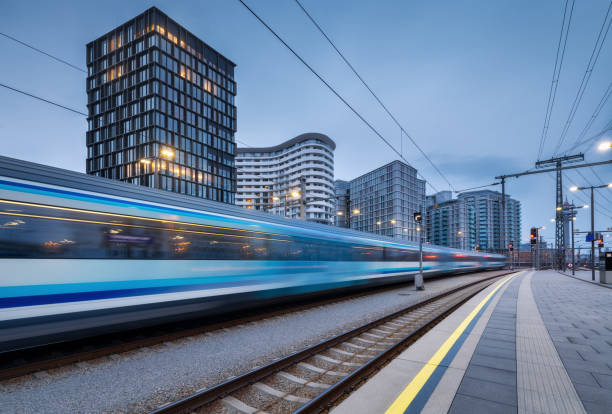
{"type": "Point", "coordinates": [293, 179]}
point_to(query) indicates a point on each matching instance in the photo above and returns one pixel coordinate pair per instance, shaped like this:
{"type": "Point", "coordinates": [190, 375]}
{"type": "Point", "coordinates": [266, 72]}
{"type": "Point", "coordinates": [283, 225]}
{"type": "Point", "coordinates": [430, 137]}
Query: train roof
{"type": "Point", "coordinates": [25, 170]}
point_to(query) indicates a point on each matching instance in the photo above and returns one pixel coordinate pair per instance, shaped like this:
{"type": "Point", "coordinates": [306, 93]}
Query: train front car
{"type": "Point", "coordinates": [82, 255]}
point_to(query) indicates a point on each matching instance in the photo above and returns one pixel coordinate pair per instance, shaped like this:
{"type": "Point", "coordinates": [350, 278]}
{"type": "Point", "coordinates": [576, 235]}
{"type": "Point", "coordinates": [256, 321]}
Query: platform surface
{"type": "Point", "coordinates": [534, 342]}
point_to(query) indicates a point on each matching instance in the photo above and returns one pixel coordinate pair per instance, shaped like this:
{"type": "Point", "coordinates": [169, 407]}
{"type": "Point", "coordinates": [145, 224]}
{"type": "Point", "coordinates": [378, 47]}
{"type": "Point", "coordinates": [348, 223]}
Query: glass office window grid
{"type": "Point", "coordinates": [447, 224]}
{"type": "Point", "coordinates": [484, 218]}
{"type": "Point", "coordinates": [161, 109]}
{"type": "Point", "coordinates": [387, 199]}
{"type": "Point", "coordinates": [343, 200]}
{"type": "Point", "coordinates": [472, 220]}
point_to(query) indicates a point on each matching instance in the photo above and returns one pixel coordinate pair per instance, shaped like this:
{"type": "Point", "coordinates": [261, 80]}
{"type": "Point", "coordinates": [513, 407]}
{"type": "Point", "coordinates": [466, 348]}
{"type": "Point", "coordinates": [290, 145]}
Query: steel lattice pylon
{"type": "Point", "coordinates": [559, 224]}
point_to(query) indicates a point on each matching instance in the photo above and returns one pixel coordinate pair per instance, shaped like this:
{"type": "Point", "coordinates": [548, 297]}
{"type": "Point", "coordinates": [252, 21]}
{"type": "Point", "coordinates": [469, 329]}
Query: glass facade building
{"type": "Point", "coordinates": [483, 209]}
{"type": "Point", "coordinates": [342, 190]}
{"type": "Point", "coordinates": [472, 220]}
{"type": "Point", "coordinates": [386, 200]}
{"type": "Point", "coordinates": [161, 109]}
{"type": "Point", "coordinates": [446, 221]}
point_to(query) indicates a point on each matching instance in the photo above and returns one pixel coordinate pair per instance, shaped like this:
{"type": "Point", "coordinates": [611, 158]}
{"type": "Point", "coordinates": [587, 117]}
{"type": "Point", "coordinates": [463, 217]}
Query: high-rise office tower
{"type": "Point", "coordinates": [383, 201]}
{"type": "Point", "coordinates": [161, 109]}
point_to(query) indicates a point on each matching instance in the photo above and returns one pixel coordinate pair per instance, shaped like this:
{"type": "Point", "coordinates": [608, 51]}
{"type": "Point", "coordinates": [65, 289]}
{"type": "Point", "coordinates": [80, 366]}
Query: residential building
{"type": "Point", "coordinates": [483, 220]}
{"type": "Point", "coordinates": [446, 221]}
{"type": "Point", "coordinates": [294, 179]}
{"type": "Point", "coordinates": [386, 200]}
{"type": "Point", "coordinates": [161, 109]}
{"type": "Point", "coordinates": [472, 220]}
{"type": "Point", "coordinates": [342, 190]}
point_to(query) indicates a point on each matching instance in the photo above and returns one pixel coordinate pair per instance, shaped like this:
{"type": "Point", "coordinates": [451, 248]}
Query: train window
{"type": "Point", "coordinates": [36, 231]}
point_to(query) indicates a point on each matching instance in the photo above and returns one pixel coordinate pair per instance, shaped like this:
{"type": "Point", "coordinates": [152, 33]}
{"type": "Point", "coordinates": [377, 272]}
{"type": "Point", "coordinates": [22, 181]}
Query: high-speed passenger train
{"type": "Point", "coordinates": [81, 255]}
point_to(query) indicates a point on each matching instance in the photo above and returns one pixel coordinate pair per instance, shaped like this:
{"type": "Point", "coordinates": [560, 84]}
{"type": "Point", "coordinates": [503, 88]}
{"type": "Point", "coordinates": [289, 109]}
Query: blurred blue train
{"type": "Point", "coordinates": [81, 255]}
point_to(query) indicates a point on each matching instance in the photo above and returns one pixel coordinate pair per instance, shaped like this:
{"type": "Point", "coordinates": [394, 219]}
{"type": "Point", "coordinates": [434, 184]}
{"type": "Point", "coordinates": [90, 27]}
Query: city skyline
{"type": "Point", "coordinates": [439, 80]}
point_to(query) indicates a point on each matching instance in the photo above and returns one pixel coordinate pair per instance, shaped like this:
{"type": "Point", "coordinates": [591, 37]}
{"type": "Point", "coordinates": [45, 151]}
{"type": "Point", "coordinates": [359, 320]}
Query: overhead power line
{"type": "Point", "coordinates": [43, 99]}
{"type": "Point", "coordinates": [402, 129]}
{"type": "Point", "coordinates": [314, 72]}
{"type": "Point", "coordinates": [476, 188]}
{"type": "Point", "coordinates": [601, 133]}
{"type": "Point", "coordinates": [71, 65]}
{"type": "Point", "coordinates": [43, 52]}
{"type": "Point", "coordinates": [552, 93]}
{"type": "Point", "coordinates": [600, 206]}
{"type": "Point", "coordinates": [601, 38]}
{"type": "Point", "coordinates": [603, 195]}
{"type": "Point", "coordinates": [596, 112]}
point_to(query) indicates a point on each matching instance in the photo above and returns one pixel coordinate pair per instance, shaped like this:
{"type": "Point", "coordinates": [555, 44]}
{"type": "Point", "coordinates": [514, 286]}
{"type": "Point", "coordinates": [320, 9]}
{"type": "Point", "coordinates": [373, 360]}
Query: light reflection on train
{"type": "Point", "coordinates": [76, 263]}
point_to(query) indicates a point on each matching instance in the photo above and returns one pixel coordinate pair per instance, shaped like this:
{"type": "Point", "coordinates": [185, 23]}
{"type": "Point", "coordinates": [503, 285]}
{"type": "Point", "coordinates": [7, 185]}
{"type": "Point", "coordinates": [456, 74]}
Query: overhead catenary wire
{"type": "Point", "coordinates": [67, 108]}
{"type": "Point", "coordinates": [601, 38]}
{"type": "Point", "coordinates": [596, 112]}
{"type": "Point", "coordinates": [68, 64]}
{"type": "Point", "coordinates": [477, 187]}
{"type": "Point", "coordinates": [402, 129]}
{"type": "Point", "coordinates": [331, 88]}
{"type": "Point", "coordinates": [43, 99]}
{"type": "Point", "coordinates": [603, 195]}
{"type": "Point", "coordinates": [43, 52]}
{"type": "Point", "coordinates": [552, 93]}
{"type": "Point", "coordinates": [592, 138]}
{"type": "Point", "coordinates": [600, 206]}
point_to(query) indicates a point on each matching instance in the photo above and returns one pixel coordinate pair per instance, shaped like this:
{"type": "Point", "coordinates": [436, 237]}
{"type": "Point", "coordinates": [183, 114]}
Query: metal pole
{"type": "Point", "coordinates": [157, 175]}
{"type": "Point", "coordinates": [538, 249]}
{"type": "Point", "coordinates": [573, 251]}
{"type": "Point", "coordinates": [502, 221]}
{"type": "Point", "coordinates": [418, 280]}
{"type": "Point", "coordinates": [302, 198]}
{"type": "Point", "coordinates": [593, 235]}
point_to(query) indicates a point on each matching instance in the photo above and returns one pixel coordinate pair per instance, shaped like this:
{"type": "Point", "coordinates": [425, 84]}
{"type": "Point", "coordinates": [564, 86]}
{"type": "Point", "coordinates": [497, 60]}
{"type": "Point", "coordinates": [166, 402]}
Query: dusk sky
{"type": "Point", "coordinates": [469, 80]}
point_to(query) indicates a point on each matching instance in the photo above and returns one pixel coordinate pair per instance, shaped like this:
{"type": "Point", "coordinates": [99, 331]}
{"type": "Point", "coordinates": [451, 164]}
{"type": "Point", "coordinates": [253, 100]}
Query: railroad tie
{"type": "Point", "coordinates": [335, 361]}
{"type": "Point", "coordinates": [236, 404]}
{"type": "Point", "coordinates": [298, 380]}
{"type": "Point", "coordinates": [279, 394]}
{"type": "Point", "coordinates": [318, 370]}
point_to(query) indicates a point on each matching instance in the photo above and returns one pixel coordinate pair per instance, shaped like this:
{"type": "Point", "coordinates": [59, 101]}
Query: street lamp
{"type": "Point", "coordinates": [592, 188]}
{"type": "Point", "coordinates": [166, 153]}
{"type": "Point", "coordinates": [604, 146]}
{"type": "Point", "coordinates": [572, 208]}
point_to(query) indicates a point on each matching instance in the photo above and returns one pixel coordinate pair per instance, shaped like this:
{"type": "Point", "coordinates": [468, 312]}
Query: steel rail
{"type": "Point", "coordinates": [207, 396]}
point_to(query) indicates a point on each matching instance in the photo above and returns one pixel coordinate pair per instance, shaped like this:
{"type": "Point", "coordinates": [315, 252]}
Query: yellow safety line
{"type": "Point", "coordinates": [410, 392]}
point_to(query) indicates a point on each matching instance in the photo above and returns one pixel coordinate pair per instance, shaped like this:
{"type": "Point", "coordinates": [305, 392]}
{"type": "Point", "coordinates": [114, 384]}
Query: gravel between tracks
{"type": "Point", "coordinates": [141, 380]}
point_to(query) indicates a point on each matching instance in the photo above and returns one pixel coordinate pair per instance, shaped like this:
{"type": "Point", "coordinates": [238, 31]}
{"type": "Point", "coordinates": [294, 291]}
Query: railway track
{"type": "Point", "coordinates": [311, 380]}
{"type": "Point", "coordinates": [22, 362]}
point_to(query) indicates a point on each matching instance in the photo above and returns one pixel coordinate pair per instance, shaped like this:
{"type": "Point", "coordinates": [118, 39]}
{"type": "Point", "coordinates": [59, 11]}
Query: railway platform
{"type": "Point", "coordinates": [534, 342]}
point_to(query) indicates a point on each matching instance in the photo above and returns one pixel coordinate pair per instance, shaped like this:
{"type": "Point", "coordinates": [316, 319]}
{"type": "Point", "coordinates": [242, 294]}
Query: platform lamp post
{"type": "Point", "coordinates": [418, 279]}
{"type": "Point", "coordinates": [592, 188]}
